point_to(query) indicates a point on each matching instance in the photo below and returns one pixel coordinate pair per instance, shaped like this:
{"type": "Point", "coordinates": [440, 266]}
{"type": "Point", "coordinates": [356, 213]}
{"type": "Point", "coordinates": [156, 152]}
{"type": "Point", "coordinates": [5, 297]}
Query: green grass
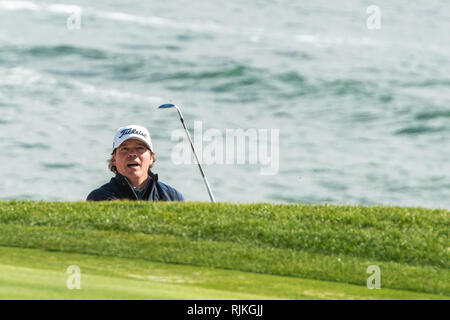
{"type": "Point", "coordinates": [296, 244]}
{"type": "Point", "coordinates": [38, 274]}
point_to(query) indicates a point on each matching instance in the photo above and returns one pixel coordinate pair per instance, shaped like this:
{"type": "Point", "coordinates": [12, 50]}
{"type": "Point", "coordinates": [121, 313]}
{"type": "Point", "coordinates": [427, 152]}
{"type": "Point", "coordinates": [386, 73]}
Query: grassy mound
{"type": "Point", "coordinates": [330, 243]}
{"type": "Point", "coordinates": [40, 274]}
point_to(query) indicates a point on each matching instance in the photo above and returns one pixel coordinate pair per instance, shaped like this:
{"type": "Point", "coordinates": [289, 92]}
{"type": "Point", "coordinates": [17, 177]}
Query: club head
{"type": "Point", "coordinates": [170, 105]}
{"type": "Point", "coordinates": [166, 106]}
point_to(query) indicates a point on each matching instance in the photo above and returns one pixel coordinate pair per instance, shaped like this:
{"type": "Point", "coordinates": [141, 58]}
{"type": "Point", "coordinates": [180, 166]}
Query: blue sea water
{"type": "Point", "coordinates": [363, 115]}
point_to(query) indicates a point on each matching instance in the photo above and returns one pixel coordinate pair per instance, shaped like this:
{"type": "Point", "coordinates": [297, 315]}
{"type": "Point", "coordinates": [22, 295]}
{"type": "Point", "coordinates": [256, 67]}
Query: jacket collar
{"type": "Point", "coordinates": [127, 189]}
{"type": "Point", "coordinates": [122, 180]}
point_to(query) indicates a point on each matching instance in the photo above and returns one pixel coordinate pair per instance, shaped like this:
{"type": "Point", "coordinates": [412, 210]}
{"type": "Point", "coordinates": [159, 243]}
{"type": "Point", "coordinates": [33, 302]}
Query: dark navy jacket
{"type": "Point", "coordinates": [120, 188]}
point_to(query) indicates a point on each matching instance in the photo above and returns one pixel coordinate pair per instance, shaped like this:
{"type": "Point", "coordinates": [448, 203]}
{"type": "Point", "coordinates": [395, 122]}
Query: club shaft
{"type": "Point", "coordinates": [198, 162]}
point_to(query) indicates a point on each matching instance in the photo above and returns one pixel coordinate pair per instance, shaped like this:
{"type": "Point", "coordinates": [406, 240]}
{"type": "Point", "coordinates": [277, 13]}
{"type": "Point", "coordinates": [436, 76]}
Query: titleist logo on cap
{"type": "Point", "coordinates": [132, 131]}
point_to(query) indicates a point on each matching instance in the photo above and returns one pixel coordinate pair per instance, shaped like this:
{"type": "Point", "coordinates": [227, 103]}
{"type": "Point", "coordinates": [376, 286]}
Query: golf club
{"type": "Point", "coordinates": [169, 105]}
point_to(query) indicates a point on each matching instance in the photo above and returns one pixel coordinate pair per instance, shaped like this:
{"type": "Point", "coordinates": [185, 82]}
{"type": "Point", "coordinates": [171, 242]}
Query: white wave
{"type": "Point", "coordinates": [28, 5]}
{"type": "Point", "coordinates": [19, 5]}
{"type": "Point", "coordinates": [21, 76]}
{"type": "Point", "coordinates": [63, 8]}
{"type": "Point", "coordinates": [157, 21]}
{"type": "Point", "coordinates": [306, 38]}
{"type": "Point", "coordinates": [335, 41]}
{"type": "Point", "coordinates": [114, 93]}
{"type": "Point", "coordinates": [124, 17]}
{"type": "Point", "coordinates": [110, 15]}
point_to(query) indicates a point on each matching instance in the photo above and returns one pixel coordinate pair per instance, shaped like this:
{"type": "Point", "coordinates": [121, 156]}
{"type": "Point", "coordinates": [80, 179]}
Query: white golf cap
{"type": "Point", "coordinates": [132, 132]}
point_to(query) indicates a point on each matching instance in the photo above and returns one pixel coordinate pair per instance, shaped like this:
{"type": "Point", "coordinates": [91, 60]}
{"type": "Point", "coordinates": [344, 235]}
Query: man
{"type": "Point", "coordinates": [131, 160]}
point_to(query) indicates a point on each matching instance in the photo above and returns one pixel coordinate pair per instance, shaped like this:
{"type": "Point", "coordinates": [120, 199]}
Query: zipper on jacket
{"type": "Point", "coordinates": [132, 189]}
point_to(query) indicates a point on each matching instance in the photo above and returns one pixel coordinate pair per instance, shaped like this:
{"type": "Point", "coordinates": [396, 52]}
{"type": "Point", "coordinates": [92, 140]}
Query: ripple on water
{"type": "Point", "coordinates": [428, 115]}
{"type": "Point", "coordinates": [59, 165]}
{"type": "Point", "coordinates": [38, 145]}
{"type": "Point", "coordinates": [415, 130]}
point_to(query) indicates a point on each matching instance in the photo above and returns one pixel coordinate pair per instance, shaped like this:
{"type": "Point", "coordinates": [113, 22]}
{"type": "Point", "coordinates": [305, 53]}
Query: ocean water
{"type": "Point", "coordinates": [363, 115]}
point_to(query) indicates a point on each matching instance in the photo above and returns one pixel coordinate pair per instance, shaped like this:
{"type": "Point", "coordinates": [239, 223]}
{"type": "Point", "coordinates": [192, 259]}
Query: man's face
{"type": "Point", "coordinates": [133, 159]}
